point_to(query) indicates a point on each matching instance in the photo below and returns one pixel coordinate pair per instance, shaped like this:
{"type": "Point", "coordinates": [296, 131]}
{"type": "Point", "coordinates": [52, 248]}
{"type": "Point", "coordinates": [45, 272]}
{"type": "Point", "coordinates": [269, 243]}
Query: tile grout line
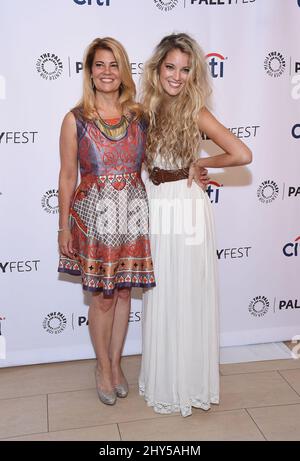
{"type": "Point", "coordinates": [258, 371]}
{"type": "Point", "coordinates": [29, 396]}
{"type": "Point", "coordinates": [141, 420]}
{"type": "Point", "coordinates": [255, 407]}
{"type": "Point", "coordinates": [265, 438]}
{"type": "Point", "coordinates": [23, 435]}
{"type": "Point", "coordinates": [71, 363]}
{"type": "Point", "coordinates": [47, 413]}
{"type": "Point", "coordinates": [52, 393]}
{"type": "Point", "coordinates": [97, 425]}
{"type": "Point", "coordinates": [132, 384]}
{"type": "Point", "coordinates": [119, 432]}
{"type": "Point", "coordinates": [116, 422]}
{"type": "Point", "coordinates": [290, 385]}
{"type": "Point", "coordinates": [60, 430]}
{"type": "Point", "coordinates": [273, 406]}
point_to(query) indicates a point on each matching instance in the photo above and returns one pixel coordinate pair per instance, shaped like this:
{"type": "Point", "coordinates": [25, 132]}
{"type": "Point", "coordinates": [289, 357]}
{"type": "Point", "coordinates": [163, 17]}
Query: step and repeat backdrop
{"type": "Point", "coordinates": [253, 56]}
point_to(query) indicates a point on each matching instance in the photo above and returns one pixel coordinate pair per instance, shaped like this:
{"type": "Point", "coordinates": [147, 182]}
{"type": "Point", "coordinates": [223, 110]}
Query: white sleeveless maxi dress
{"type": "Point", "coordinates": [180, 332]}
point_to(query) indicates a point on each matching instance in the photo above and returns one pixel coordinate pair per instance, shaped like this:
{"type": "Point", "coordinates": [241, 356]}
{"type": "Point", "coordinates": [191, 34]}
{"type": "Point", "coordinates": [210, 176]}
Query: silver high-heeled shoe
{"type": "Point", "coordinates": [122, 390]}
{"type": "Point", "coordinates": [109, 398]}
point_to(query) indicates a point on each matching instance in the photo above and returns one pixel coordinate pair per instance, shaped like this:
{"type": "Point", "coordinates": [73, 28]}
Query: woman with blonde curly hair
{"type": "Point", "coordinates": [180, 366]}
{"type": "Point", "coordinates": [103, 224]}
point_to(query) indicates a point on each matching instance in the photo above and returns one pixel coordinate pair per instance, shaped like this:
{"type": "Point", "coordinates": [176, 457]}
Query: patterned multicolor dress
{"type": "Point", "coordinates": [109, 215]}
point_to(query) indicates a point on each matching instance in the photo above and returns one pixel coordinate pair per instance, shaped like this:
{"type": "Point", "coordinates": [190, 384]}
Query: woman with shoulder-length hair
{"type": "Point", "coordinates": [180, 315]}
{"type": "Point", "coordinates": [103, 224]}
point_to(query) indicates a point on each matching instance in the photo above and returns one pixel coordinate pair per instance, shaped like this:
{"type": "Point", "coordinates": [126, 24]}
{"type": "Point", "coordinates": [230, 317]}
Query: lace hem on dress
{"type": "Point", "coordinates": [184, 409]}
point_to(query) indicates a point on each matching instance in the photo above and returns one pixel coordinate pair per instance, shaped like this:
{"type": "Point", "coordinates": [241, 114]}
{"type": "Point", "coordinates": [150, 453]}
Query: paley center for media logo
{"type": "Point", "coordinates": [50, 201]}
{"type": "Point", "coordinates": [55, 323]}
{"type": "Point", "coordinates": [49, 66]}
{"type": "Point", "coordinates": [165, 5]}
{"type": "Point", "coordinates": [268, 191]}
{"type": "Point", "coordinates": [259, 306]}
{"type": "Point", "coordinates": [291, 248]}
{"type": "Point", "coordinates": [274, 64]}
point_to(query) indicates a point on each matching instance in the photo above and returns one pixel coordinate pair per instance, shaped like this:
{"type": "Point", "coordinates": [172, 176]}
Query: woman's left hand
{"type": "Point", "coordinates": [199, 175]}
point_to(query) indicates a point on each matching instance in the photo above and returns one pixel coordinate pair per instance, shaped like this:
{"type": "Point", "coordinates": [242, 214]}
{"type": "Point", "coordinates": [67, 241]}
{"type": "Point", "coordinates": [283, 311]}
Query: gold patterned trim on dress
{"type": "Point", "coordinates": [113, 132]}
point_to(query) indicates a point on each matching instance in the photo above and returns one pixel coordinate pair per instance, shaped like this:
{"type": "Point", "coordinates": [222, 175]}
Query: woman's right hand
{"type": "Point", "coordinates": [199, 175]}
{"type": "Point", "coordinates": [65, 243]}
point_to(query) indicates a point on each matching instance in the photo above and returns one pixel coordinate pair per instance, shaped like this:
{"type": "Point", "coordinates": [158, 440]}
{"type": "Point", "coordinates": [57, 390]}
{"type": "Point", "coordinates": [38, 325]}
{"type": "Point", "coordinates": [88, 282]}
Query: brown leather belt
{"type": "Point", "coordinates": [158, 176]}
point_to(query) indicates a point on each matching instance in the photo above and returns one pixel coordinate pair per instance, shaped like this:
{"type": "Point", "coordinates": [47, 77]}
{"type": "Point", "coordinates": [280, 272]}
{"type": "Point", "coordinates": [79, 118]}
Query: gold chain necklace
{"type": "Point", "coordinates": [113, 132]}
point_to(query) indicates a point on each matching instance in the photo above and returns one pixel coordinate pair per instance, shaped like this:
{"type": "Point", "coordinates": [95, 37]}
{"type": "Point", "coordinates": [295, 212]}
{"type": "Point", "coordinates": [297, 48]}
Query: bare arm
{"type": "Point", "coordinates": [67, 178]}
{"type": "Point", "coordinates": [236, 152]}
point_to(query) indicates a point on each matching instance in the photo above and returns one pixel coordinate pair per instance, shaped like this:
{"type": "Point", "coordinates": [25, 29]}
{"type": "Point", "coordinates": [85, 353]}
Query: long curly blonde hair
{"type": "Point", "coordinates": [127, 91]}
{"type": "Point", "coordinates": [173, 128]}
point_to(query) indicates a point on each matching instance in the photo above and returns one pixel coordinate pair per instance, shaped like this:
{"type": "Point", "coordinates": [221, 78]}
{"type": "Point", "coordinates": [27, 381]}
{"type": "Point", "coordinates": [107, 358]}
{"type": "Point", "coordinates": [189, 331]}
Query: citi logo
{"type": "Point", "coordinates": [216, 64]}
{"type": "Point", "coordinates": [213, 192]}
{"type": "Point", "coordinates": [291, 248]}
{"type": "Point", "coordinates": [92, 2]}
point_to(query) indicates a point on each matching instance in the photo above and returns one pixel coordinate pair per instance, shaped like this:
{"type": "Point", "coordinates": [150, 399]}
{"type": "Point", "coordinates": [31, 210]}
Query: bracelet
{"type": "Point", "coordinates": [62, 229]}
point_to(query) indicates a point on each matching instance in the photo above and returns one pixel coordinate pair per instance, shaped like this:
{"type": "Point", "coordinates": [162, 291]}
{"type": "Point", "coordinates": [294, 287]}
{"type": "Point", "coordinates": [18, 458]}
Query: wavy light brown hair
{"type": "Point", "coordinates": [173, 128]}
{"type": "Point", "coordinates": [127, 91]}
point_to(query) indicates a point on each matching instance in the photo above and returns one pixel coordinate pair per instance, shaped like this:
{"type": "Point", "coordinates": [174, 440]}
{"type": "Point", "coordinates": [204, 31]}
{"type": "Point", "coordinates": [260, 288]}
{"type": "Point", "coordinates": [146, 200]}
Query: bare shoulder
{"type": "Point", "coordinates": [68, 126]}
{"type": "Point", "coordinates": [223, 137]}
{"type": "Point", "coordinates": [69, 119]}
{"type": "Point", "coordinates": [207, 122]}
